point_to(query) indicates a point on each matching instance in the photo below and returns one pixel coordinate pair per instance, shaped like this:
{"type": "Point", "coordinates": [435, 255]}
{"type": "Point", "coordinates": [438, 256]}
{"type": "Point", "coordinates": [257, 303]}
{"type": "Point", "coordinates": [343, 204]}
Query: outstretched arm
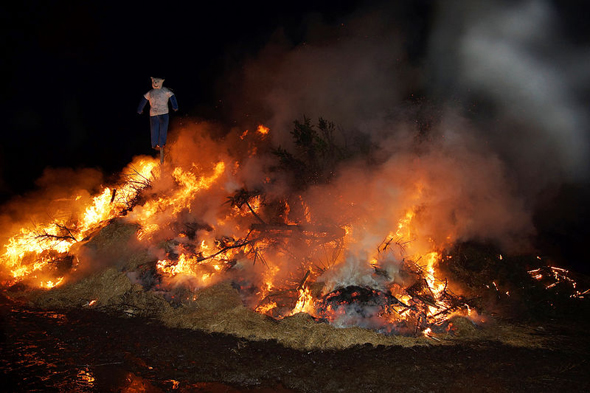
{"type": "Point", "coordinates": [141, 105]}
{"type": "Point", "coordinates": [174, 103]}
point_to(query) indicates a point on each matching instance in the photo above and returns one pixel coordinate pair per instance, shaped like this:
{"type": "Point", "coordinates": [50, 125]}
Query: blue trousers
{"type": "Point", "coordinates": [159, 129]}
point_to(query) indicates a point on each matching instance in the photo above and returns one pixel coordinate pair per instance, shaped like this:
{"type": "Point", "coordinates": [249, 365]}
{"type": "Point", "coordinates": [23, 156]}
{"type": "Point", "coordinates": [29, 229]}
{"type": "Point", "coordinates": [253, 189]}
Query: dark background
{"type": "Point", "coordinates": [75, 71]}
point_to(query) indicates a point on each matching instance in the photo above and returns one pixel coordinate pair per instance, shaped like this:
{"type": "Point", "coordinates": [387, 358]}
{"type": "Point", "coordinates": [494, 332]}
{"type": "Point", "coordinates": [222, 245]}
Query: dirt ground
{"type": "Point", "coordinates": [89, 351]}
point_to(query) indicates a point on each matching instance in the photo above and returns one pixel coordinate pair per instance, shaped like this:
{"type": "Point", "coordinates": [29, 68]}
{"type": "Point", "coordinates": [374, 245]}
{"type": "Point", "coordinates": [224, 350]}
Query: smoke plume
{"type": "Point", "coordinates": [503, 123]}
{"type": "Point", "coordinates": [515, 59]}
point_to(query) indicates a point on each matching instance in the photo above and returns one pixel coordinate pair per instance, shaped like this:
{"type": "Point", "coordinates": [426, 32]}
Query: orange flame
{"type": "Point", "coordinates": [295, 242]}
{"type": "Point", "coordinates": [31, 249]}
{"type": "Point", "coordinates": [305, 302]}
{"type": "Point", "coordinates": [262, 129]}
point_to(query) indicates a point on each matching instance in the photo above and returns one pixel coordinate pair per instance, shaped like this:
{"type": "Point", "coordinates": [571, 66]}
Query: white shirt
{"type": "Point", "coordinates": [158, 99]}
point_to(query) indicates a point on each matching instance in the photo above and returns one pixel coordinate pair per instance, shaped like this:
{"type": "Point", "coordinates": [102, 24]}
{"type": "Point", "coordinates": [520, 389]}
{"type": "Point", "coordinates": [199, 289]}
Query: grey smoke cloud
{"type": "Point", "coordinates": [510, 64]}
{"type": "Point", "coordinates": [506, 123]}
{"type": "Point", "coordinates": [354, 73]}
{"type": "Point", "coordinates": [516, 56]}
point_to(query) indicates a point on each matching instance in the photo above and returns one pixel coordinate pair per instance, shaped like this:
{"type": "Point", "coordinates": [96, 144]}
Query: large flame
{"type": "Point", "coordinates": [341, 258]}
{"type": "Point", "coordinates": [34, 247]}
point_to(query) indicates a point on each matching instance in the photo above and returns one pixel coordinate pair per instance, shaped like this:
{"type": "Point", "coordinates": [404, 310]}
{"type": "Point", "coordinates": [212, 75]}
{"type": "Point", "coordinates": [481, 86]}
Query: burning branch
{"type": "Point", "coordinates": [238, 244]}
{"type": "Point", "coordinates": [303, 280]}
{"type": "Point", "coordinates": [244, 197]}
{"type": "Point", "coordinates": [64, 229]}
{"type": "Point", "coordinates": [258, 255]}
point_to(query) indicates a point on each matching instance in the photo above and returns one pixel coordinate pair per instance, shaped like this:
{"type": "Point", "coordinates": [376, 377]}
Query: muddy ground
{"type": "Point", "coordinates": [90, 351]}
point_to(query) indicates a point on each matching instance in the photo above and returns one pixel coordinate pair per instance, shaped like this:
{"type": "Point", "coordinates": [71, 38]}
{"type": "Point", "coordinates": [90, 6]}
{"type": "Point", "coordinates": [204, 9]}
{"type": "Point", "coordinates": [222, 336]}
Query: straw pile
{"type": "Point", "coordinates": [220, 309]}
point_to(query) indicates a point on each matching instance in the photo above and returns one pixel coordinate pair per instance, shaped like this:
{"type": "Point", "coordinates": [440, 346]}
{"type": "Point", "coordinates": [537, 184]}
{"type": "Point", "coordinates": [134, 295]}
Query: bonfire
{"type": "Point", "coordinates": [277, 248]}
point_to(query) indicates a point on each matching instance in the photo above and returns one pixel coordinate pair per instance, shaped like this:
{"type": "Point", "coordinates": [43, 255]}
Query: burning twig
{"type": "Point", "coordinates": [142, 178]}
{"type": "Point", "coordinates": [254, 213]}
{"type": "Point", "coordinates": [258, 255]}
{"type": "Point", "coordinates": [321, 233]}
{"type": "Point", "coordinates": [330, 260]}
{"type": "Point", "coordinates": [243, 197]}
{"type": "Point", "coordinates": [68, 236]}
{"type": "Point", "coordinates": [225, 249]}
{"type": "Point", "coordinates": [428, 334]}
{"type": "Point", "coordinates": [559, 278]}
{"type": "Point", "coordinates": [304, 280]}
{"type": "Point", "coordinates": [447, 310]}
{"type": "Point", "coordinates": [276, 229]}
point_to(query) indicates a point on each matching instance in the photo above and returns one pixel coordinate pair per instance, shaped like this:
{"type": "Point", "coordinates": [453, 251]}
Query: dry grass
{"type": "Point", "coordinates": [106, 288]}
{"type": "Point", "coordinates": [220, 309]}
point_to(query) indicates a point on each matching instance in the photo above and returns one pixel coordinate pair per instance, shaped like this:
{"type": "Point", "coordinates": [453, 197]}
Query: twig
{"type": "Point", "coordinates": [224, 250]}
{"type": "Point", "coordinates": [46, 235]}
{"type": "Point", "coordinates": [258, 255]}
{"type": "Point", "coordinates": [64, 228]}
{"type": "Point", "coordinates": [432, 337]}
{"type": "Point", "coordinates": [254, 213]}
{"type": "Point", "coordinates": [302, 282]}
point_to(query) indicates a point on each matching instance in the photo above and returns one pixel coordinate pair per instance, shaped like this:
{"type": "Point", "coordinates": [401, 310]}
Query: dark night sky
{"type": "Point", "coordinates": [75, 72]}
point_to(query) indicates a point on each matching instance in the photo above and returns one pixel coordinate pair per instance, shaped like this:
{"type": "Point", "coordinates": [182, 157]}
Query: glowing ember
{"type": "Point", "coordinates": [552, 277]}
{"type": "Point", "coordinates": [267, 308]}
{"type": "Point", "coordinates": [86, 378]}
{"type": "Point", "coordinates": [262, 129]}
{"type": "Point", "coordinates": [50, 284]}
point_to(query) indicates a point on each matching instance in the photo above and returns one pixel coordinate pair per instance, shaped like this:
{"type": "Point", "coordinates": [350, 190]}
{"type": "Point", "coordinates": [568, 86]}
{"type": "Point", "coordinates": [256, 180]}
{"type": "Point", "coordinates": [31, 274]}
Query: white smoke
{"type": "Point", "coordinates": [486, 165]}
{"type": "Point", "coordinates": [515, 56]}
